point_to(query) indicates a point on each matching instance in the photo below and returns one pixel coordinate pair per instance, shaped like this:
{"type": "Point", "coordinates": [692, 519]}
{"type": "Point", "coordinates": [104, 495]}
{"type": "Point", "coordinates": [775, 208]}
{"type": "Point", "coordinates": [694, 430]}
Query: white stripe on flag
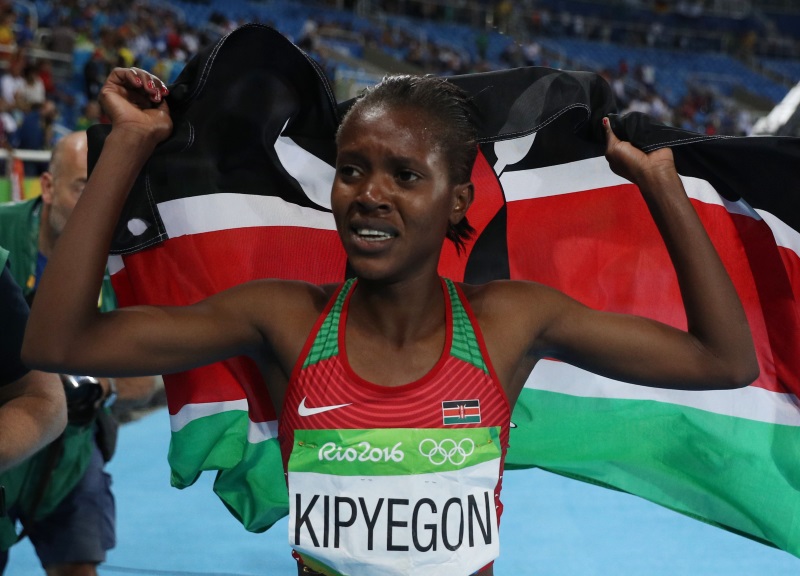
{"type": "Point", "coordinates": [785, 235]}
{"type": "Point", "coordinates": [594, 173]}
{"type": "Point", "coordinates": [226, 211]}
{"type": "Point", "coordinates": [752, 402]}
{"type": "Point", "coordinates": [703, 191]}
{"type": "Point", "coordinates": [261, 431]}
{"type": "Point", "coordinates": [115, 264]}
{"type": "Point", "coordinates": [560, 179]}
{"type": "Point", "coordinates": [256, 431]}
{"type": "Point", "coordinates": [190, 412]}
{"type": "Point", "coordinates": [314, 175]}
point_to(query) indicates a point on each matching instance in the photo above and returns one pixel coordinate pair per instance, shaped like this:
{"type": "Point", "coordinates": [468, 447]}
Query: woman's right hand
{"type": "Point", "coordinates": [134, 101]}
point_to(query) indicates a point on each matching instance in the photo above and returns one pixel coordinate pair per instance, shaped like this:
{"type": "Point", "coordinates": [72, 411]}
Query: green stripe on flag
{"type": "Point", "coordinates": [459, 420]}
{"type": "Point", "coordinates": [210, 443]}
{"type": "Point", "coordinates": [265, 501]}
{"type": "Point", "coordinates": [250, 481]}
{"type": "Point", "coordinates": [742, 473]}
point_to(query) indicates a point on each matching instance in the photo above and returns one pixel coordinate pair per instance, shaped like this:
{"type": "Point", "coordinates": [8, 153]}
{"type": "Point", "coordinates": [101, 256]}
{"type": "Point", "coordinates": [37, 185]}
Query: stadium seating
{"type": "Point", "coordinates": [347, 34]}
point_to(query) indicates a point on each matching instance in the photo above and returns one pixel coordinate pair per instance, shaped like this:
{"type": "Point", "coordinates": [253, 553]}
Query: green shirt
{"type": "Point", "coordinates": [21, 482]}
{"type": "Point", "coordinates": [19, 233]}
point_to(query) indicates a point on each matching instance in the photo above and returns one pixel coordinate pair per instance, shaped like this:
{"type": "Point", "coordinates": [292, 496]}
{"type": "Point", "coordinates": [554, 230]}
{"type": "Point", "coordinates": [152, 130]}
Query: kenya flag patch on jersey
{"type": "Point", "coordinates": [461, 412]}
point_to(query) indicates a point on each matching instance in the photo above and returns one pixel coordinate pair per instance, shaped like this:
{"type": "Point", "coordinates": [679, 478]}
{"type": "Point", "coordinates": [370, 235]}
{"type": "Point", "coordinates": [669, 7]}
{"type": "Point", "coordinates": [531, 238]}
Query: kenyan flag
{"type": "Point", "coordinates": [461, 412]}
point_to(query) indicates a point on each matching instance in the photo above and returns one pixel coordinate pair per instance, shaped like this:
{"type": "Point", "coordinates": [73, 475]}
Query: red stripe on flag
{"type": "Point", "coordinates": [124, 288]}
{"type": "Point", "coordinates": [187, 269]}
{"type": "Point", "coordinates": [777, 277]}
{"type": "Point", "coordinates": [233, 379]}
{"type": "Point", "coordinates": [461, 411]}
{"type": "Point", "coordinates": [602, 248]}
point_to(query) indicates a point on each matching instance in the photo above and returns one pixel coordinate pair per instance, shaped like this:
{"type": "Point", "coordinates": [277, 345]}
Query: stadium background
{"type": "Point", "coordinates": [713, 66]}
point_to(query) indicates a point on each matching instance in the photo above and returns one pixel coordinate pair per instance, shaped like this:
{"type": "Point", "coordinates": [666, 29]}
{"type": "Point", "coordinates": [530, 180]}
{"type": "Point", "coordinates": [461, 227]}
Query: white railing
{"type": "Point", "coordinates": [26, 155]}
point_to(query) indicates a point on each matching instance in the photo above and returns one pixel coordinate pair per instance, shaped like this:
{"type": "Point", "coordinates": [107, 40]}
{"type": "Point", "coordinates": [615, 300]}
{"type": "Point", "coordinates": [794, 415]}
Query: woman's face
{"type": "Point", "coordinates": [392, 197]}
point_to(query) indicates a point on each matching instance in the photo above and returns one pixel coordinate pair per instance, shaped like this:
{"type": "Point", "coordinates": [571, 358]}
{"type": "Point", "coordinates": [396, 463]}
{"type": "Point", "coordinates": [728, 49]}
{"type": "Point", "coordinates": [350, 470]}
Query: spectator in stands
{"type": "Point", "coordinates": [95, 72]}
{"type": "Point", "coordinates": [482, 44]}
{"type": "Point", "coordinates": [62, 37]}
{"type": "Point", "coordinates": [503, 11]}
{"type": "Point", "coordinates": [532, 53]}
{"type": "Point", "coordinates": [32, 91]}
{"type": "Point", "coordinates": [141, 44]}
{"type": "Point", "coordinates": [190, 41]}
{"type": "Point", "coordinates": [308, 38]}
{"type": "Point", "coordinates": [44, 68]}
{"type": "Point", "coordinates": [71, 530]}
{"type": "Point", "coordinates": [37, 130]}
{"type": "Point", "coordinates": [8, 127]}
{"type": "Point", "coordinates": [91, 115]}
{"type": "Point", "coordinates": [512, 55]}
{"type": "Point", "coordinates": [12, 80]}
{"type": "Point", "coordinates": [24, 31]}
{"type": "Point", "coordinates": [8, 39]}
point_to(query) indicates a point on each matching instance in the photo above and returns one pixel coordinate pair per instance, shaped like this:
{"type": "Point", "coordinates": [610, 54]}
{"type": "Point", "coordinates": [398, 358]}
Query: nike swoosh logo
{"type": "Point", "coordinates": [303, 410]}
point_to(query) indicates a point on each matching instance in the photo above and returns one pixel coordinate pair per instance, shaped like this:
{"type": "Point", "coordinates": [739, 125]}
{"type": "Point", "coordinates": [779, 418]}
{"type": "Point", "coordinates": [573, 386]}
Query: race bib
{"type": "Point", "coordinates": [395, 501]}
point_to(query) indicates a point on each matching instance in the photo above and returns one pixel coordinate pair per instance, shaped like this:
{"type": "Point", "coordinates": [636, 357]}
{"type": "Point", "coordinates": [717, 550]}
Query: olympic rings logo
{"type": "Point", "coordinates": [447, 450]}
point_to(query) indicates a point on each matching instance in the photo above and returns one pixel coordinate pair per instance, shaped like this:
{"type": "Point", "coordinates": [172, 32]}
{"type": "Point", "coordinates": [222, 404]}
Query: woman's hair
{"type": "Point", "coordinates": [454, 115]}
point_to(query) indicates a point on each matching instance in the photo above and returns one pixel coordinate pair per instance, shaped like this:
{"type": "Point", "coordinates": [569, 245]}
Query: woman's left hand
{"type": "Point", "coordinates": [627, 161]}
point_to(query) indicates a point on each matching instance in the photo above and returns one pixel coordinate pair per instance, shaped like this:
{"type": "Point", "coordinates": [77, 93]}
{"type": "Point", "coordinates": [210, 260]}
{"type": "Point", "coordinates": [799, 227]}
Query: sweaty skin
{"type": "Point", "coordinates": [392, 200]}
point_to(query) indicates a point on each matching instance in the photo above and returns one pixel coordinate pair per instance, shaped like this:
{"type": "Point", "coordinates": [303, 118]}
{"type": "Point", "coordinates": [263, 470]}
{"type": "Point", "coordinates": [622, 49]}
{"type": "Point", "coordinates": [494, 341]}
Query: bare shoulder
{"type": "Point", "coordinates": [513, 314]}
{"type": "Point", "coordinates": [503, 298]}
{"type": "Point", "coordinates": [512, 317]}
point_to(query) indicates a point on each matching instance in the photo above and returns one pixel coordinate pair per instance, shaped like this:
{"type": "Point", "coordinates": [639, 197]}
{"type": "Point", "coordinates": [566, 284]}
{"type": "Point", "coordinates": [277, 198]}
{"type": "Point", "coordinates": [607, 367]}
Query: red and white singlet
{"type": "Point", "coordinates": [395, 480]}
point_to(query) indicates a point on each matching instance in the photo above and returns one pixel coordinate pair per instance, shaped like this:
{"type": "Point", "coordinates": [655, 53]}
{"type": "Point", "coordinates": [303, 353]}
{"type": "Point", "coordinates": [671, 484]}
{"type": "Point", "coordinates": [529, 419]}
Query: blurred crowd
{"type": "Point", "coordinates": [679, 24]}
{"type": "Point", "coordinates": [701, 109]}
{"type": "Point", "coordinates": [41, 100]}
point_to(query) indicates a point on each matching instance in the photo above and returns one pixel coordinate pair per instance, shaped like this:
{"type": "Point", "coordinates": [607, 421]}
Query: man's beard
{"type": "Point", "coordinates": [56, 221]}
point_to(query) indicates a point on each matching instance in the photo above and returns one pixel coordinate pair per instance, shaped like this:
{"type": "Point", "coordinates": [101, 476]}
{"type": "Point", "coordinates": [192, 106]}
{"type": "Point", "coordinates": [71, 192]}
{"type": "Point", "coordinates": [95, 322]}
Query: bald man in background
{"type": "Point", "coordinates": [68, 512]}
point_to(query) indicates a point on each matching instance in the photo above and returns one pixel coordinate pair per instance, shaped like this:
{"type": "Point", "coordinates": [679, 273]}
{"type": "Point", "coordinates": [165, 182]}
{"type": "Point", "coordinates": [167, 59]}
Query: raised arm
{"type": "Point", "coordinates": [715, 352]}
{"type": "Point", "coordinates": [66, 332]}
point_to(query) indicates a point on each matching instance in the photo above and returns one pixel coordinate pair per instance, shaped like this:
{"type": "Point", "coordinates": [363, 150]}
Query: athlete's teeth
{"type": "Point", "coordinates": [372, 233]}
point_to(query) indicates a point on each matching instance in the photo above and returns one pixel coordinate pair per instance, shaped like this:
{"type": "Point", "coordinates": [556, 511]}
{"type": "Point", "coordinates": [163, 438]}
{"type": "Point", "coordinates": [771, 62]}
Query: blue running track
{"type": "Point", "coordinates": [551, 527]}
